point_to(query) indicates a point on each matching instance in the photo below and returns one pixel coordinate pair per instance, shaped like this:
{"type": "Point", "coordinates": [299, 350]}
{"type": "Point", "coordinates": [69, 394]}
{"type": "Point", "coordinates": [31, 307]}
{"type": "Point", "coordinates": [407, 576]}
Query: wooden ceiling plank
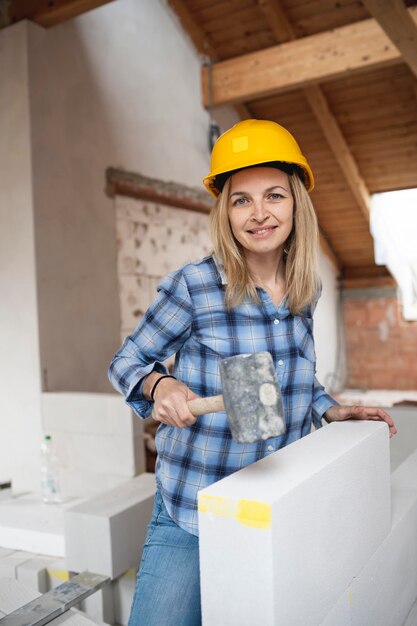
{"type": "Point", "coordinates": [397, 23]}
{"type": "Point", "coordinates": [339, 147]}
{"type": "Point", "coordinates": [318, 104]}
{"type": "Point", "coordinates": [60, 12]}
{"type": "Point", "coordinates": [277, 20]}
{"type": "Point", "coordinates": [327, 55]}
{"type": "Point", "coordinates": [198, 37]}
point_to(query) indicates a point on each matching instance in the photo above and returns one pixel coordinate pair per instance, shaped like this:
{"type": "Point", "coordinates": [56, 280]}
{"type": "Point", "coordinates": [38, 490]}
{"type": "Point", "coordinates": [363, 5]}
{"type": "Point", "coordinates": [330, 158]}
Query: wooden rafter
{"type": "Point", "coordinates": [198, 37]}
{"type": "Point", "coordinates": [49, 14]}
{"type": "Point", "coordinates": [307, 61]}
{"type": "Point", "coordinates": [277, 20]}
{"type": "Point", "coordinates": [339, 147]}
{"type": "Point", "coordinates": [398, 24]}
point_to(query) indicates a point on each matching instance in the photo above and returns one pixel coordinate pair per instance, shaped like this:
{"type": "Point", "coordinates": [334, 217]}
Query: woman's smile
{"type": "Point", "coordinates": [262, 233]}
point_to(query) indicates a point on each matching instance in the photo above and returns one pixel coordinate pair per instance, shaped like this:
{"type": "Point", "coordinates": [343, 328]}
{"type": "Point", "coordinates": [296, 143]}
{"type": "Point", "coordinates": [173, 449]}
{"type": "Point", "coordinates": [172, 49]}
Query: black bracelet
{"type": "Point", "coordinates": [157, 383]}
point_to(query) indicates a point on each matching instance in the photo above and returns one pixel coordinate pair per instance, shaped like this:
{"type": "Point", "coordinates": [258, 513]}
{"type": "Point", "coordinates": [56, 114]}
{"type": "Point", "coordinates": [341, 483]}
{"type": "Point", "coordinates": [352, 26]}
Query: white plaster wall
{"type": "Point", "coordinates": [329, 330]}
{"type": "Point", "coordinates": [20, 420]}
{"type": "Point", "coordinates": [102, 95]}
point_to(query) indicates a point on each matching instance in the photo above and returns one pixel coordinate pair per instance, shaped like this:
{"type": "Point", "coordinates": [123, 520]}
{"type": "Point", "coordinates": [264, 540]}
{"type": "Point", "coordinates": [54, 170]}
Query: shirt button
{"type": "Point", "coordinates": [280, 362]}
{"type": "Point", "coordinates": [270, 448]}
{"type": "Point", "coordinates": [276, 321]}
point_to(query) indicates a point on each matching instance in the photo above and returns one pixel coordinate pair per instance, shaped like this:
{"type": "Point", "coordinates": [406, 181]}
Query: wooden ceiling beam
{"type": "Point", "coordinates": [339, 148]}
{"type": "Point", "coordinates": [395, 20]}
{"type": "Point", "coordinates": [297, 64]}
{"type": "Point", "coordinates": [54, 13]}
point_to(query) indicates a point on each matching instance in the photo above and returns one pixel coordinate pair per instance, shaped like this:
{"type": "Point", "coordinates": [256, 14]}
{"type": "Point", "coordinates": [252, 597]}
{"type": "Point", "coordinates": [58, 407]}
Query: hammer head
{"type": "Point", "coordinates": [252, 397]}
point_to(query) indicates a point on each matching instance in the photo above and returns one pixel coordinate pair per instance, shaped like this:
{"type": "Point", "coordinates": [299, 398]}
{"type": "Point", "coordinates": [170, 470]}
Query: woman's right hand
{"type": "Point", "coordinates": [170, 403]}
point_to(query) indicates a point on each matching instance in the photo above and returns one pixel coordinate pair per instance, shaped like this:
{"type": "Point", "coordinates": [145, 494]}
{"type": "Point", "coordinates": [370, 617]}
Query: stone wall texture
{"type": "Point", "coordinates": [153, 240]}
{"type": "Point", "coordinates": [381, 346]}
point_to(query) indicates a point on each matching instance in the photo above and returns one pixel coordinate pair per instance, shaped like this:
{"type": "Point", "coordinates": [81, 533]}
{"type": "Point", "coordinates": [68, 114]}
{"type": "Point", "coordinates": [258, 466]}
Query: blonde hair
{"type": "Point", "coordinates": [300, 256]}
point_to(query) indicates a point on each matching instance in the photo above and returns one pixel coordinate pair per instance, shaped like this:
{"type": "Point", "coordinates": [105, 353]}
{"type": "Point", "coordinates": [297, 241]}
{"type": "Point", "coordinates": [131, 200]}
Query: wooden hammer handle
{"type": "Point", "coordinates": [199, 406]}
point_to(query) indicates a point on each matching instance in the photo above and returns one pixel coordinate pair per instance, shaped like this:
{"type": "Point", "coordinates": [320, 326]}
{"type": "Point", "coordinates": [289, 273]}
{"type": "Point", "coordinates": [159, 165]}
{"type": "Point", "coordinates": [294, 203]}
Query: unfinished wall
{"type": "Point", "coordinates": [20, 420]}
{"type": "Point", "coordinates": [76, 99]}
{"type": "Point", "coordinates": [316, 534]}
{"type": "Point", "coordinates": [153, 240]}
{"type": "Point", "coordinates": [380, 344]}
{"type": "Point", "coordinates": [136, 106]}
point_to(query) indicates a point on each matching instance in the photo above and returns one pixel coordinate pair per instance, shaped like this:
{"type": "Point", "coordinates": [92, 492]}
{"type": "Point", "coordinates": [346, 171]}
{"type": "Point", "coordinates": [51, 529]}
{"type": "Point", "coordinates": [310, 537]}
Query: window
{"type": "Point", "coordinates": [394, 229]}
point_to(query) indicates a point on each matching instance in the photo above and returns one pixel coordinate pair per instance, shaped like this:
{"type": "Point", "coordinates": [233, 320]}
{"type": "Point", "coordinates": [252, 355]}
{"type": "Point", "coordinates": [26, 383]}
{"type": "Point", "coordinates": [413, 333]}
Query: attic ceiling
{"type": "Point", "coordinates": [340, 75]}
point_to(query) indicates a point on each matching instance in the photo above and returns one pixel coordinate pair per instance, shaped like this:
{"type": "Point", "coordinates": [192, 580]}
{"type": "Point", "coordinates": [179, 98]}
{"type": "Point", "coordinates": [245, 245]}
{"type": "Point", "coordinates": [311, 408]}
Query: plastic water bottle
{"type": "Point", "coordinates": [50, 489]}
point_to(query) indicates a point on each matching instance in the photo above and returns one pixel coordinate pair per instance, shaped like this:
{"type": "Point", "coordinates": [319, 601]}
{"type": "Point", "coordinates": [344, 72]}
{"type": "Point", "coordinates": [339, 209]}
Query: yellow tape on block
{"type": "Point", "coordinates": [59, 574]}
{"type": "Point", "coordinates": [247, 512]}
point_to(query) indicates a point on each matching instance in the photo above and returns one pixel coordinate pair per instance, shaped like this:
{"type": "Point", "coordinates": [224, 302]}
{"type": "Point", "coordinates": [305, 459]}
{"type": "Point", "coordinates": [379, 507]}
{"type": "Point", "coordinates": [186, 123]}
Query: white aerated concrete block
{"type": "Point", "coordinates": [34, 573]}
{"type": "Point", "coordinates": [97, 439]}
{"type": "Point", "coordinates": [57, 573]}
{"type": "Point", "coordinates": [283, 538]}
{"type": "Point", "coordinates": [384, 591]}
{"type": "Point", "coordinates": [9, 564]}
{"type": "Point", "coordinates": [123, 590]}
{"type": "Point", "coordinates": [100, 606]}
{"type": "Point", "coordinates": [88, 413]}
{"type": "Point", "coordinates": [105, 534]}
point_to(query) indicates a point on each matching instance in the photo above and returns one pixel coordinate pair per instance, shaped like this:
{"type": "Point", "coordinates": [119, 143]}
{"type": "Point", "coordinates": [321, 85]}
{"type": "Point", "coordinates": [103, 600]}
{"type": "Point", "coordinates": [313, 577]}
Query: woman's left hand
{"type": "Point", "coordinates": [339, 413]}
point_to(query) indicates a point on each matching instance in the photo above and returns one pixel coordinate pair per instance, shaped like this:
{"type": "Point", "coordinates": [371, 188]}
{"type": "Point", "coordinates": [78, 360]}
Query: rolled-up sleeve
{"type": "Point", "coordinates": [321, 402]}
{"type": "Point", "coordinates": [163, 330]}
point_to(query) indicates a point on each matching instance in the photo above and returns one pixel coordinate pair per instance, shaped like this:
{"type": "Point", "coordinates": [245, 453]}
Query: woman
{"type": "Point", "coordinates": [257, 292]}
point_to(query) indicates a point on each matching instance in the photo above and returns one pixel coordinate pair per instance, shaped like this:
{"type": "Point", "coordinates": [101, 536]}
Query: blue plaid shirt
{"type": "Point", "coordinates": [188, 318]}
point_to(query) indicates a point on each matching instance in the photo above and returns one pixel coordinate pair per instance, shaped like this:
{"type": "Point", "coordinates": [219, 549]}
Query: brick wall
{"type": "Point", "coordinates": [381, 346]}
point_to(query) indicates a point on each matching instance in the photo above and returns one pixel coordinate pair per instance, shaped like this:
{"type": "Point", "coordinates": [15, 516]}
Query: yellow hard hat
{"type": "Point", "coordinates": [254, 142]}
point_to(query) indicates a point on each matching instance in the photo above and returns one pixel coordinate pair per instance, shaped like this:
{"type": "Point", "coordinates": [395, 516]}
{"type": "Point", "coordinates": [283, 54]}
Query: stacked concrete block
{"type": "Point", "coordinates": [105, 534]}
{"type": "Point", "coordinates": [28, 524]}
{"type": "Point", "coordinates": [100, 606]}
{"type": "Point", "coordinates": [299, 524]}
{"type": "Point", "coordinates": [57, 573]}
{"type": "Point", "coordinates": [123, 590]}
{"type": "Point", "coordinates": [35, 573]}
{"type": "Point", "coordinates": [99, 441]}
{"type": "Point", "coordinates": [10, 563]}
{"type": "Point", "coordinates": [384, 591]}
{"type": "Point", "coordinates": [14, 594]}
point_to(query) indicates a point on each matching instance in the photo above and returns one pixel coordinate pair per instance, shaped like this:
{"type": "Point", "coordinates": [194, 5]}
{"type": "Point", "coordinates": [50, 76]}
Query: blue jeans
{"type": "Point", "coordinates": [168, 583]}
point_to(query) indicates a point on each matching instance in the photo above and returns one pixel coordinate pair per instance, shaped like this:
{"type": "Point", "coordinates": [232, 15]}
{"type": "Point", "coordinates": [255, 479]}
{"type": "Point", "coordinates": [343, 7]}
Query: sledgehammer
{"type": "Point", "coordinates": [251, 397]}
